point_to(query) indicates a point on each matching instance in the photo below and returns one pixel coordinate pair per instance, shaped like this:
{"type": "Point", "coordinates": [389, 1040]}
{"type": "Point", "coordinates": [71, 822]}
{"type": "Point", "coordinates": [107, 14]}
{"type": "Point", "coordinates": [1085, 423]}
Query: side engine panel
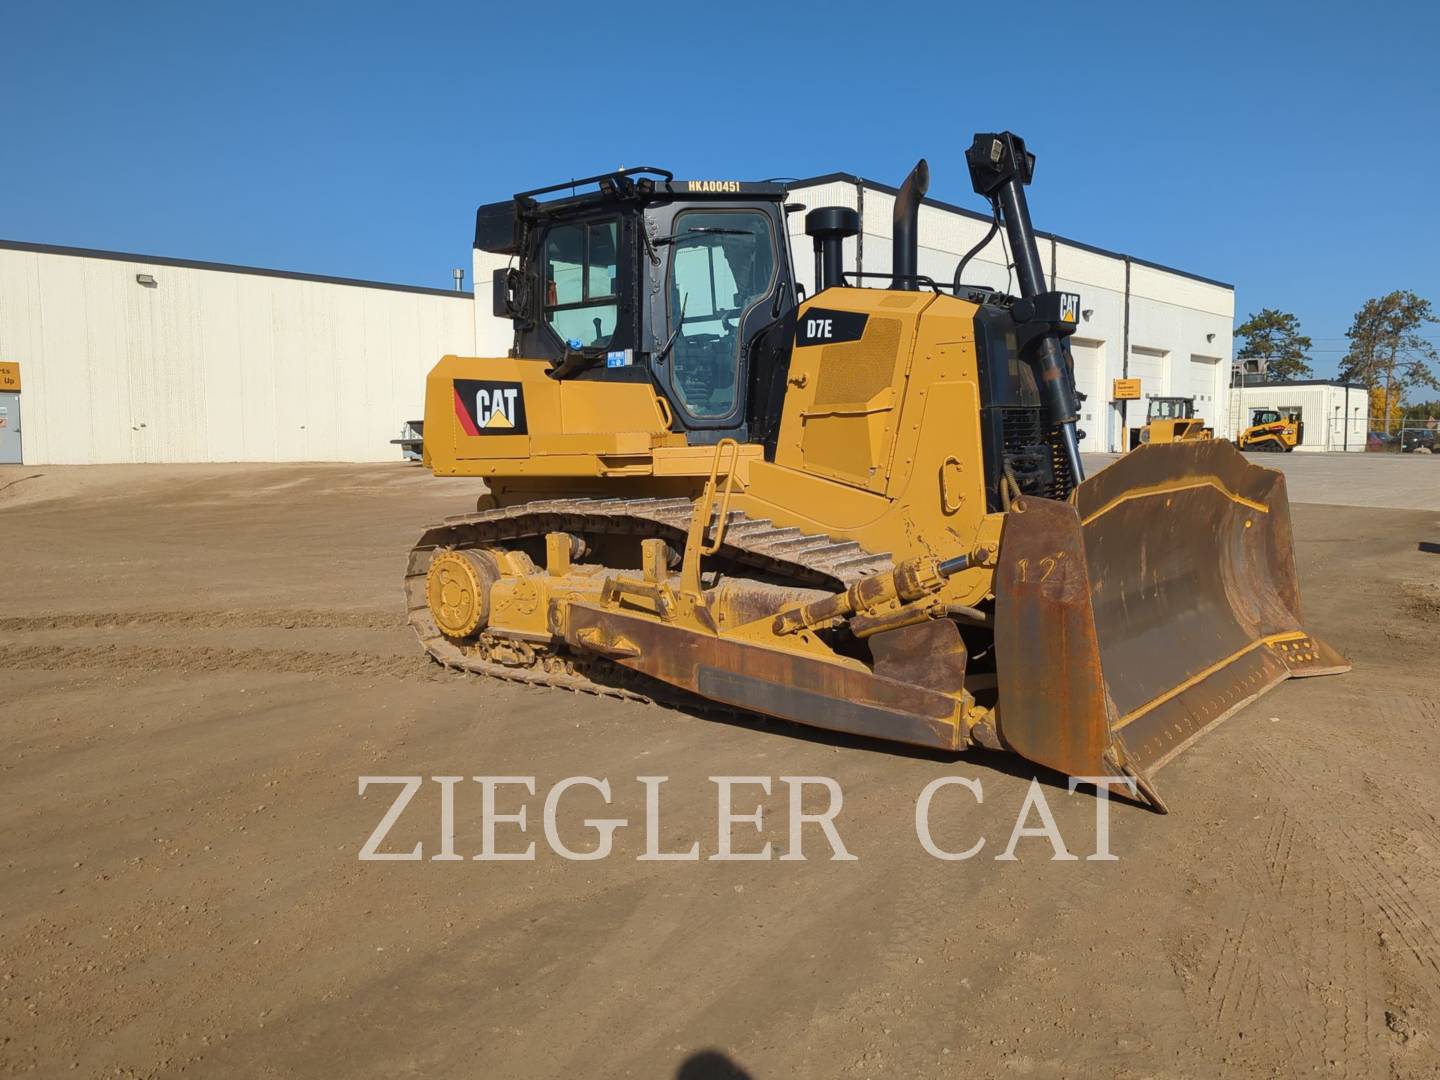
{"type": "Point", "coordinates": [847, 384]}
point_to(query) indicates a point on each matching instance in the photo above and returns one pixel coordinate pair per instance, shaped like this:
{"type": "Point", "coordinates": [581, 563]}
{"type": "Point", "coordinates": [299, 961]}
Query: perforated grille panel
{"type": "Point", "coordinates": [858, 370]}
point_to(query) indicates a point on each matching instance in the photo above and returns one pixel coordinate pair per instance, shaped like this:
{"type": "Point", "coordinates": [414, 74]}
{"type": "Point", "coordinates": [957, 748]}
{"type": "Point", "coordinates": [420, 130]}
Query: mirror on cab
{"type": "Point", "coordinates": [511, 300]}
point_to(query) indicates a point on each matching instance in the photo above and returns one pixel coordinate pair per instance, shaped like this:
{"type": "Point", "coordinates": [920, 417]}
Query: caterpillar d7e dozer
{"type": "Point", "coordinates": [863, 511]}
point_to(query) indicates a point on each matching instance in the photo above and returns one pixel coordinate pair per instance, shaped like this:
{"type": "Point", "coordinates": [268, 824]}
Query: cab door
{"type": "Point", "coordinates": [725, 279]}
{"type": "Point", "coordinates": [582, 272]}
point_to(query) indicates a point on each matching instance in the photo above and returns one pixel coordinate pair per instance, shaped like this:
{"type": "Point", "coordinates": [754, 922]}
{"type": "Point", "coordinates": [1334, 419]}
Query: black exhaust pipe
{"type": "Point", "coordinates": [905, 256]}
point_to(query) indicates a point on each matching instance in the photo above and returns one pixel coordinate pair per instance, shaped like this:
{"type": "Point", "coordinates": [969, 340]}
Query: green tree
{"type": "Point", "coordinates": [1387, 350]}
{"type": "Point", "coordinates": [1275, 336]}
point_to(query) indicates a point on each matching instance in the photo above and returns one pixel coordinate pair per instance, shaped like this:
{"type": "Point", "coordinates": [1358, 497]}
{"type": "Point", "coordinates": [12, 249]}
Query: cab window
{"type": "Point", "coordinates": [1170, 409]}
{"type": "Point", "coordinates": [581, 267]}
{"type": "Point", "coordinates": [1265, 416]}
{"type": "Point", "coordinates": [722, 263]}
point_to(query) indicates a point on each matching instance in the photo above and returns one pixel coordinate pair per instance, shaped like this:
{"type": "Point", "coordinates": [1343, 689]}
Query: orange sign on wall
{"type": "Point", "coordinates": [1127, 390]}
{"type": "Point", "coordinates": [9, 377]}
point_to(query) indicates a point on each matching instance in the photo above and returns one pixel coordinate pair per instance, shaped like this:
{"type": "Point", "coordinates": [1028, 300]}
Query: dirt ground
{"type": "Point", "coordinates": [197, 665]}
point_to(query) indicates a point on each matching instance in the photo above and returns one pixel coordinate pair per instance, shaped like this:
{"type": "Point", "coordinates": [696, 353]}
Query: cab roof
{"type": "Point", "coordinates": [497, 224]}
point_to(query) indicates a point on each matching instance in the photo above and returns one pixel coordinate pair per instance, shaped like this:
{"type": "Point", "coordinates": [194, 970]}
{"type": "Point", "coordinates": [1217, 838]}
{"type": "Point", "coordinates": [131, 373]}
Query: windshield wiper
{"type": "Point", "coordinates": [714, 230]}
{"type": "Point", "coordinates": [674, 334]}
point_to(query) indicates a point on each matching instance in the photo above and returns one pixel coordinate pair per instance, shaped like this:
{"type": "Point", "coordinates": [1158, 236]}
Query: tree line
{"type": "Point", "coordinates": [1388, 352]}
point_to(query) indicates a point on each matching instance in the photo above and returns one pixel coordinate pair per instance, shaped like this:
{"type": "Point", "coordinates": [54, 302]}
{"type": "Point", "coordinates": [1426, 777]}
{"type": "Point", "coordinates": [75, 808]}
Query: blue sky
{"type": "Point", "coordinates": [1293, 149]}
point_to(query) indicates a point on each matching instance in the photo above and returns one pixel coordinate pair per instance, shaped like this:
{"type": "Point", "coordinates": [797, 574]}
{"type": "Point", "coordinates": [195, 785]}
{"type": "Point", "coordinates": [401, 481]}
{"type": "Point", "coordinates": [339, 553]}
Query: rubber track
{"type": "Point", "coordinates": [779, 552]}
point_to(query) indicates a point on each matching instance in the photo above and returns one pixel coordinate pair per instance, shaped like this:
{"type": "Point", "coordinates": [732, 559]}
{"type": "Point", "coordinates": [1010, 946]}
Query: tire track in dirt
{"type": "Point", "coordinates": [1395, 863]}
{"type": "Point", "coordinates": [1386, 845]}
{"type": "Point", "coordinates": [285, 618]}
{"type": "Point", "coordinates": [210, 659]}
{"type": "Point", "coordinates": [1325, 925]}
{"type": "Point", "coordinates": [1292, 962]}
{"type": "Point", "coordinates": [1395, 892]}
{"type": "Point", "coordinates": [1376, 940]}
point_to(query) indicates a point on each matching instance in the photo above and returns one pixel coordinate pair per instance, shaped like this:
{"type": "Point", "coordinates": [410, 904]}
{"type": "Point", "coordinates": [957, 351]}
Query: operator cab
{"type": "Point", "coordinates": [646, 278]}
{"type": "Point", "coordinates": [686, 285]}
{"type": "Point", "coordinates": [1171, 408]}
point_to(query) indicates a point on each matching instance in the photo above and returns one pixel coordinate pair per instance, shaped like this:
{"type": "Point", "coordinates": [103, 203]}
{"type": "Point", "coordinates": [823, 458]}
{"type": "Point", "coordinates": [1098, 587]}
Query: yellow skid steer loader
{"type": "Point", "coordinates": [1271, 432]}
{"type": "Point", "coordinates": [862, 511]}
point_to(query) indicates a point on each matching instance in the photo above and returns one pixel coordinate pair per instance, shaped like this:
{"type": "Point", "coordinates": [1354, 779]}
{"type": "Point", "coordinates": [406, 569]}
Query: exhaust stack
{"type": "Point", "coordinates": [905, 257]}
{"type": "Point", "coordinates": [1000, 167]}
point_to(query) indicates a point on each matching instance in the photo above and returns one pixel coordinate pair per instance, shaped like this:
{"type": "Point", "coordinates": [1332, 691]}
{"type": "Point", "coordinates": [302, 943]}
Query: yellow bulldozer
{"type": "Point", "coordinates": [1168, 420]}
{"type": "Point", "coordinates": [864, 510]}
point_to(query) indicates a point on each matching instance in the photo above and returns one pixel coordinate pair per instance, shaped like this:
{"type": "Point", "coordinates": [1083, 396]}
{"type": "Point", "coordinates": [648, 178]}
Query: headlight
{"type": "Point", "coordinates": [1289, 431]}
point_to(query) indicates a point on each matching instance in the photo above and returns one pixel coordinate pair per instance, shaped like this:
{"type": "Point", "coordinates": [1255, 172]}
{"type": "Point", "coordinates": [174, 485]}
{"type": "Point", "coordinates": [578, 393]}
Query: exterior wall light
{"type": "Point", "coordinates": [1087, 313]}
{"type": "Point", "coordinates": [148, 280]}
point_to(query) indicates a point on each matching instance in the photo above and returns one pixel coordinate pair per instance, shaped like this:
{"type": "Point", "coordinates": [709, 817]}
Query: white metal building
{"type": "Point", "coordinates": [1333, 416]}
{"type": "Point", "coordinates": [132, 358]}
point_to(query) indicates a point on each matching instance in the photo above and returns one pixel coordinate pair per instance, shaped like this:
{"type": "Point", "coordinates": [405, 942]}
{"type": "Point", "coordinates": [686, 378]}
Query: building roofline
{"type": "Point", "coordinates": [939, 204]}
{"type": "Point", "coordinates": [225, 268]}
{"type": "Point", "coordinates": [1299, 382]}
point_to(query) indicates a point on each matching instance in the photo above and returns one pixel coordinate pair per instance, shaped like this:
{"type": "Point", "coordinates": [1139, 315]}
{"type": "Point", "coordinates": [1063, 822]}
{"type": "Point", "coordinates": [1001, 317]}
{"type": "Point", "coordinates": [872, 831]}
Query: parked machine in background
{"type": "Point", "coordinates": [863, 511]}
{"type": "Point", "coordinates": [411, 440]}
{"type": "Point", "coordinates": [1272, 432]}
{"type": "Point", "coordinates": [1169, 420]}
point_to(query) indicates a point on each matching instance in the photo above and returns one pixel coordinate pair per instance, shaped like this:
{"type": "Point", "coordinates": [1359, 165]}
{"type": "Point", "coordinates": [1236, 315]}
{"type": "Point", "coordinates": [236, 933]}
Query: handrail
{"type": "Point", "coordinates": [583, 181]}
{"type": "Point", "coordinates": [713, 547]}
{"type": "Point", "coordinates": [696, 546]}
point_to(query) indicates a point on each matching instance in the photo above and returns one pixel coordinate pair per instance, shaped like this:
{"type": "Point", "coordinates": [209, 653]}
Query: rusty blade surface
{"type": "Point", "coordinates": [1190, 560]}
{"type": "Point", "coordinates": [1053, 707]}
{"type": "Point", "coordinates": [1167, 601]}
{"type": "Point", "coordinates": [772, 681]}
{"type": "Point", "coordinates": [1197, 606]}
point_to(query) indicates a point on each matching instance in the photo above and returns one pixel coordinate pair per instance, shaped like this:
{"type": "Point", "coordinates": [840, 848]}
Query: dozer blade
{"type": "Point", "coordinates": [1158, 602]}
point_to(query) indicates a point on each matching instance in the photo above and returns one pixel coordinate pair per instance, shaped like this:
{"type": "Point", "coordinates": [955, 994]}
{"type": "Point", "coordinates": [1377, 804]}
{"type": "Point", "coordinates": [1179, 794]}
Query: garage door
{"type": "Point", "coordinates": [1089, 380]}
{"type": "Point", "coordinates": [1204, 372]}
{"type": "Point", "coordinates": [1148, 365]}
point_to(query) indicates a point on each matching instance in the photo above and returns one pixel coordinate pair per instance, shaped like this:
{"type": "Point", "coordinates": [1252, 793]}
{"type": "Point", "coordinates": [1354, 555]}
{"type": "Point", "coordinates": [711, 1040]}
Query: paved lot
{"type": "Point", "coordinates": [197, 664]}
{"type": "Point", "coordinates": [1394, 481]}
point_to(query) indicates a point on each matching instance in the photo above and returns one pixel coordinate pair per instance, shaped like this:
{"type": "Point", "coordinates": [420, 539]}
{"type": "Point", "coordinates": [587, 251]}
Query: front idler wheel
{"type": "Point", "coordinates": [457, 591]}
